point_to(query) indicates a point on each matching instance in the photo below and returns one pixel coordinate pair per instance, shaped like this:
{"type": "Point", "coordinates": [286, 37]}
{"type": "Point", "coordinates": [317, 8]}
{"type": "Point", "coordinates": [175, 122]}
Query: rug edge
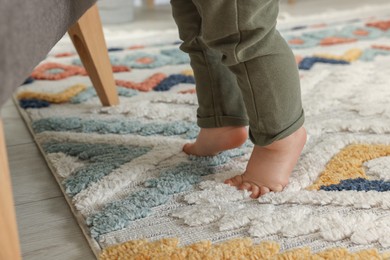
{"type": "Point", "coordinates": [93, 244]}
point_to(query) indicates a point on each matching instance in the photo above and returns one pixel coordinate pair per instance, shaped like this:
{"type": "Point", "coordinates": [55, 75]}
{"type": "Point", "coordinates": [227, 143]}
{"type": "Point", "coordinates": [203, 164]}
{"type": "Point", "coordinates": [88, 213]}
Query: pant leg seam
{"type": "Point", "coordinates": [212, 79]}
{"type": "Point", "coordinates": [253, 94]}
{"type": "Point", "coordinates": [244, 63]}
{"type": "Point", "coordinates": [239, 33]}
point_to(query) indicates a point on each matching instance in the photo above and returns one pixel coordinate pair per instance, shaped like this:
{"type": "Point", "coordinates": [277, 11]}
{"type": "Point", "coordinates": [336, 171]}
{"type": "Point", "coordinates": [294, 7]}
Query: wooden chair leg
{"type": "Point", "coordinates": [150, 3]}
{"type": "Point", "coordinates": [88, 39]}
{"type": "Point", "coordinates": [9, 240]}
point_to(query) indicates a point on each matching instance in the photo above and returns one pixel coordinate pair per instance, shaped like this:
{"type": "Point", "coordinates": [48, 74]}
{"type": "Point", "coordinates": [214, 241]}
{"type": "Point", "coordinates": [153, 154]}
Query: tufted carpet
{"type": "Point", "coordinates": [136, 194]}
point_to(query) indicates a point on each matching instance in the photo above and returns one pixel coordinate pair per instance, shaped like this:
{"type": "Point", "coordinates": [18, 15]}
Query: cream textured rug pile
{"type": "Point", "coordinates": [136, 194]}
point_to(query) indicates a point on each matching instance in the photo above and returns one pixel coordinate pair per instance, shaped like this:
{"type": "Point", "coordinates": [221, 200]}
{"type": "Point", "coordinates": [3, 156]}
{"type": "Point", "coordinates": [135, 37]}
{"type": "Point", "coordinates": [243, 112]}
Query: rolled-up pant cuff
{"type": "Point", "coordinates": [221, 121]}
{"type": "Point", "coordinates": [262, 139]}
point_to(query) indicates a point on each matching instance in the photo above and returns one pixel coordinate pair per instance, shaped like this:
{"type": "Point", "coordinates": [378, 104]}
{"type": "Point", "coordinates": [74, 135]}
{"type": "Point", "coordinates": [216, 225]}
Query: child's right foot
{"type": "Point", "coordinates": [270, 167]}
{"type": "Point", "coordinates": [212, 141]}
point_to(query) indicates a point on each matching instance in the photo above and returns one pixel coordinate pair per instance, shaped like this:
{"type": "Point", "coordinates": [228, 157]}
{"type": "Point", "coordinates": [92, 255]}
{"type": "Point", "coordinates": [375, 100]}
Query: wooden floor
{"type": "Point", "coordinates": [46, 226]}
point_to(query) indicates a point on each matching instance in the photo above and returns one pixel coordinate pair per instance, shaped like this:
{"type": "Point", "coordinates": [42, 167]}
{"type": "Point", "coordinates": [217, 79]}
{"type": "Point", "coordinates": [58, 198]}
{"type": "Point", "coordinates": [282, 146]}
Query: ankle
{"type": "Point", "coordinates": [296, 138]}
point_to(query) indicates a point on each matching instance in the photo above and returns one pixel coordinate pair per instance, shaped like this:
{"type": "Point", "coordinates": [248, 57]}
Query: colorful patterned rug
{"type": "Point", "coordinates": [136, 195]}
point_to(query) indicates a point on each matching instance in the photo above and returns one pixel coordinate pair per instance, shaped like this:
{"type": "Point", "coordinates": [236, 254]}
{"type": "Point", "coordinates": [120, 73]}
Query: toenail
{"type": "Point", "coordinates": [246, 186]}
{"type": "Point", "coordinates": [279, 188]}
{"type": "Point", "coordinates": [264, 190]}
{"type": "Point", "coordinates": [255, 192]}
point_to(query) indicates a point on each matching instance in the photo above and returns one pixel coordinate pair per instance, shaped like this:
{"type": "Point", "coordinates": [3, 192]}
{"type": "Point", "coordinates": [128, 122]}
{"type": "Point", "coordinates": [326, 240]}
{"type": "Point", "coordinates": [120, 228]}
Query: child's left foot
{"type": "Point", "coordinates": [212, 141]}
{"type": "Point", "coordinates": [269, 167]}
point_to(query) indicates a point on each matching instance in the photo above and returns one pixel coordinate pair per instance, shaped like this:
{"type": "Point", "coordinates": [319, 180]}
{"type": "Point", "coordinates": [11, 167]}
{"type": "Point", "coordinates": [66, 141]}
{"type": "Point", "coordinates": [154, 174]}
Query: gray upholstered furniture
{"type": "Point", "coordinates": [28, 30]}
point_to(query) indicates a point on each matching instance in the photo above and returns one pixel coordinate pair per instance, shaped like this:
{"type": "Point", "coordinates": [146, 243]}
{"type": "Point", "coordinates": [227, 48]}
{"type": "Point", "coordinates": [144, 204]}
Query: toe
{"type": "Point", "coordinates": [245, 186]}
{"type": "Point", "coordinates": [255, 192]}
{"type": "Point", "coordinates": [278, 188]}
{"type": "Point", "coordinates": [264, 190]}
{"type": "Point", "coordinates": [229, 182]}
{"type": "Point", "coordinates": [235, 181]}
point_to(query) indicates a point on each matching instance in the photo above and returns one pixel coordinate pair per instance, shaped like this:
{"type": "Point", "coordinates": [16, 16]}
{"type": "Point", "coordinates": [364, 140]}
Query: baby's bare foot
{"type": "Point", "coordinates": [269, 167]}
{"type": "Point", "coordinates": [211, 141]}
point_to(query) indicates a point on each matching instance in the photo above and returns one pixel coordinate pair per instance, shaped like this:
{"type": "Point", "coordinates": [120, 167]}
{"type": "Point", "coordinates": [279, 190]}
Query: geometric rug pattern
{"type": "Point", "coordinates": [136, 195]}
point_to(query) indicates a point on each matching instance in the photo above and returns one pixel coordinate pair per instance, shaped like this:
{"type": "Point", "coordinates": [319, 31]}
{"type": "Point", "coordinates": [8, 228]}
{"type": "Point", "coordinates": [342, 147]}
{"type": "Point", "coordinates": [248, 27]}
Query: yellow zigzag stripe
{"type": "Point", "coordinates": [348, 164]}
{"type": "Point", "coordinates": [61, 97]}
{"type": "Point", "coordinates": [187, 72]}
{"type": "Point", "coordinates": [349, 56]}
{"type": "Point", "coordinates": [232, 249]}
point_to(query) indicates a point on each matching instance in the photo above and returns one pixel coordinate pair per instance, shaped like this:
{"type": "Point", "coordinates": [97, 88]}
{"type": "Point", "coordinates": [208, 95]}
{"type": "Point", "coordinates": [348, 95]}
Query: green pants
{"type": "Point", "coordinates": [244, 70]}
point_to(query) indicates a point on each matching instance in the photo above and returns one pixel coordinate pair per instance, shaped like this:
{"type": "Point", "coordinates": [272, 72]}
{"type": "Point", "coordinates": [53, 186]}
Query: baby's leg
{"type": "Point", "coordinates": [221, 113]}
{"type": "Point", "coordinates": [244, 31]}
